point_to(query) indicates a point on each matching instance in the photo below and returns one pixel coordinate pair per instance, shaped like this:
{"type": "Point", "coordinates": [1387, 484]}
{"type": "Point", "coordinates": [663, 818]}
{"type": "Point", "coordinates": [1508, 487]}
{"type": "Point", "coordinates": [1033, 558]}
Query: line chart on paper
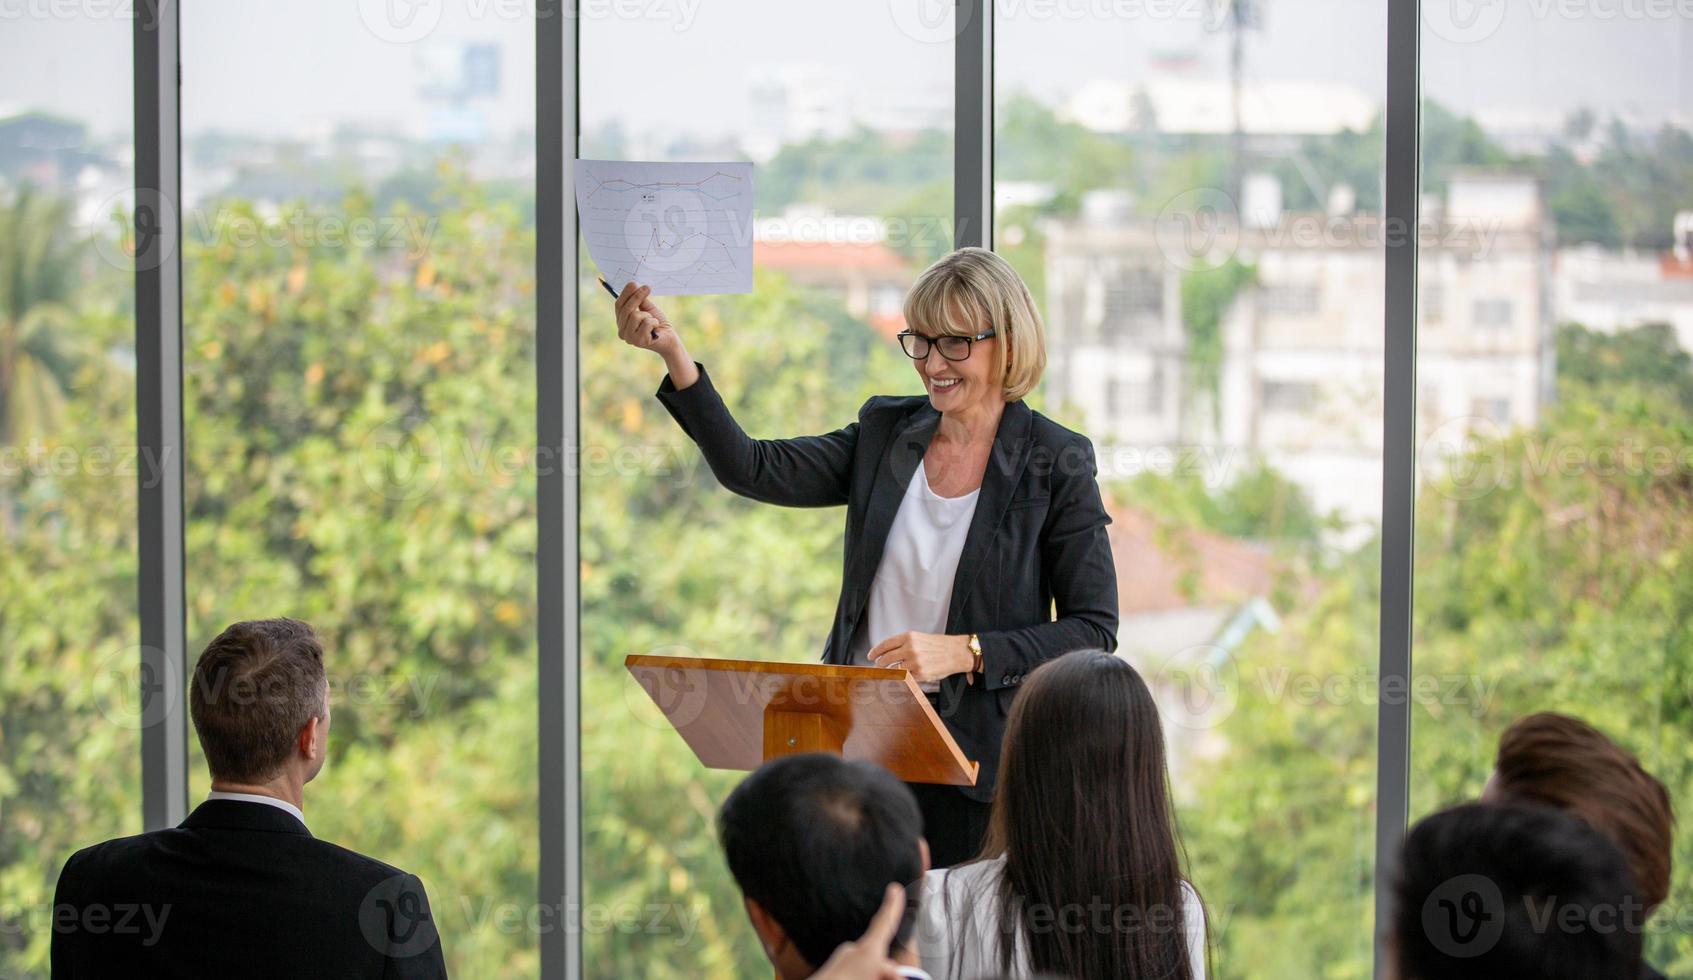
{"type": "Point", "coordinates": [683, 228]}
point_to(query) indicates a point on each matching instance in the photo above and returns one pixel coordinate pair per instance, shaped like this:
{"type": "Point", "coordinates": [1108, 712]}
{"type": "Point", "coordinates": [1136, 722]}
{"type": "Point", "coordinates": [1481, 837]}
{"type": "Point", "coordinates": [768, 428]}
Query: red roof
{"type": "Point", "coordinates": [1674, 268]}
{"type": "Point", "coordinates": [1160, 567]}
{"type": "Point", "coordinates": [887, 324]}
{"type": "Point", "coordinates": [869, 256]}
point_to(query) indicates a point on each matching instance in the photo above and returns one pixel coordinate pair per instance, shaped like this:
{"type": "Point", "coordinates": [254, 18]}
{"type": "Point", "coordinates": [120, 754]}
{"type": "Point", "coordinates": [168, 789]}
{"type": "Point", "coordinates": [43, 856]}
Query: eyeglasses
{"type": "Point", "coordinates": [953, 348]}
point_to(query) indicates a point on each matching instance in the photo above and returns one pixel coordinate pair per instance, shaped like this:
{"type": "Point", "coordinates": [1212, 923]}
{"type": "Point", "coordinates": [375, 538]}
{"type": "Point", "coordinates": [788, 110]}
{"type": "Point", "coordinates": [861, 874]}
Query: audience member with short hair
{"type": "Point", "coordinates": [1081, 875]}
{"type": "Point", "coordinates": [1563, 762]}
{"type": "Point", "coordinates": [1509, 891]}
{"type": "Point", "coordinates": [241, 887]}
{"type": "Point", "coordinates": [814, 841]}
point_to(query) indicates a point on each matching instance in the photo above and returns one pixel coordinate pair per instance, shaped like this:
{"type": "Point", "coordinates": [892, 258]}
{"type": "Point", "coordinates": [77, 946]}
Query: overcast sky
{"type": "Point", "coordinates": [303, 65]}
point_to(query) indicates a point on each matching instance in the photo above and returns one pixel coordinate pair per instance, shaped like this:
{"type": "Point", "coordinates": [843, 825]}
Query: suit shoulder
{"type": "Point", "coordinates": [1049, 432]}
{"type": "Point", "coordinates": [108, 861]}
{"type": "Point", "coordinates": [890, 406]}
{"type": "Point", "coordinates": [118, 849]}
{"type": "Point", "coordinates": [362, 866]}
{"type": "Point", "coordinates": [123, 850]}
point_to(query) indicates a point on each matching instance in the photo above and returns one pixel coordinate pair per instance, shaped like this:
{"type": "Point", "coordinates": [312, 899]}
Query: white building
{"type": "Point", "coordinates": [1610, 291]}
{"type": "Point", "coordinates": [1298, 378]}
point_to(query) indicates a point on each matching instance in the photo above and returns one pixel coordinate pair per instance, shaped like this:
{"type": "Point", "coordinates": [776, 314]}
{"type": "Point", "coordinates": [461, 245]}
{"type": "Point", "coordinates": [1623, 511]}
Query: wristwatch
{"type": "Point", "coordinates": [975, 654]}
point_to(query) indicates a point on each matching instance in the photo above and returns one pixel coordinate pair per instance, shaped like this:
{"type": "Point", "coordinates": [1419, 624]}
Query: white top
{"type": "Point", "coordinates": [966, 945]}
{"type": "Point", "coordinates": [218, 794]}
{"type": "Point", "coordinates": [912, 590]}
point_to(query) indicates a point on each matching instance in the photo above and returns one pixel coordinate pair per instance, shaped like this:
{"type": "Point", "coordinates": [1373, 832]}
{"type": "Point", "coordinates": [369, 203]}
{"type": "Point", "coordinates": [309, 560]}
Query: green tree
{"type": "Point", "coordinates": [1625, 364]}
{"type": "Point", "coordinates": [1582, 211]}
{"type": "Point", "coordinates": [1550, 575]}
{"type": "Point", "coordinates": [854, 174]}
{"type": "Point", "coordinates": [358, 421]}
{"type": "Point", "coordinates": [1207, 293]}
{"type": "Point", "coordinates": [1033, 144]}
{"type": "Point", "coordinates": [69, 751]}
{"type": "Point", "coordinates": [39, 270]}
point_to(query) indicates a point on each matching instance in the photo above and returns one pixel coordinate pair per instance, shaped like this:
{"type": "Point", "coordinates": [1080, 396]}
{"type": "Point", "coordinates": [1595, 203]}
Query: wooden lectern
{"type": "Point", "coordinates": [736, 714]}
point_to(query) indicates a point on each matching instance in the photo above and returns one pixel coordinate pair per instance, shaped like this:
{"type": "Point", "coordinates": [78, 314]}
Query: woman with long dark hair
{"type": "Point", "coordinates": [1081, 874]}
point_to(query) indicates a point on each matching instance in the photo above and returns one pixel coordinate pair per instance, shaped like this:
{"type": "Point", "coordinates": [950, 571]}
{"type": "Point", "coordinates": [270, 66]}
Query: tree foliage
{"type": "Point", "coordinates": [360, 424]}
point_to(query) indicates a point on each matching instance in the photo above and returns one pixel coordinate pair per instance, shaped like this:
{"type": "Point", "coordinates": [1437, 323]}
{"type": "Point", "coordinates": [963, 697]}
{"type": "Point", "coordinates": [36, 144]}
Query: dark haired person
{"type": "Point", "coordinates": [241, 888]}
{"type": "Point", "coordinates": [1512, 892]}
{"type": "Point", "coordinates": [1081, 875]}
{"type": "Point", "coordinates": [1564, 762]}
{"type": "Point", "coordinates": [814, 841]}
{"type": "Point", "coordinates": [975, 534]}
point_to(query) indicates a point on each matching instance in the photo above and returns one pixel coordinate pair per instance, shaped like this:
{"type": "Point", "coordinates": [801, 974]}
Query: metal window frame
{"type": "Point", "coordinates": [973, 214]}
{"type": "Point", "coordinates": [558, 486]}
{"type": "Point", "coordinates": [1400, 200]}
{"type": "Point", "coordinates": [162, 608]}
{"type": "Point", "coordinates": [159, 396]}
{"type": "Point", "coordinates": [972, 140]}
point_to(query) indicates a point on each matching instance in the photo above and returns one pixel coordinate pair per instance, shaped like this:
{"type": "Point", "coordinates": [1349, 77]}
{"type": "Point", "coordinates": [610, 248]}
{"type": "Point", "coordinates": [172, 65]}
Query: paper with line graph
{"type": "Point", "coordinates": [685, 229]}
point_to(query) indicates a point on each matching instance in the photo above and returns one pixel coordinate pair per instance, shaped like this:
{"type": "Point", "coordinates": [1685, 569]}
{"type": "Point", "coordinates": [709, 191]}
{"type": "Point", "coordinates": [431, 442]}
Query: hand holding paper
{"type": "Point", "coordinates": [682, 228]}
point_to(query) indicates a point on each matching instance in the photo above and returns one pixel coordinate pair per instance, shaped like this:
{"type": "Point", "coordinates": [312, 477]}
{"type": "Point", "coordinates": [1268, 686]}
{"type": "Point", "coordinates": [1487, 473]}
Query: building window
{"type": "Point", "coordinates": [1289, 396]}
{"type": "Point", "coordinates": [1134, 292]}
{"type": "Point", "coordinates": [1495, 410]}
{"type": "Point", "coordinates": [1290, 299]}
{"type": "Point", "coordinates": [1134, 396]}
{"type": "Point", "coordinates": [1494, 314]}
{"type": "Point", "coordinates": [1134, 306]}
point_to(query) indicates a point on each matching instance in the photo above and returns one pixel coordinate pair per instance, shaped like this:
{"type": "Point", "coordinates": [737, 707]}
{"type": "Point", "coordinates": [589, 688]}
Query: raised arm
{"type": "Point", "coordinates": [808, 471]}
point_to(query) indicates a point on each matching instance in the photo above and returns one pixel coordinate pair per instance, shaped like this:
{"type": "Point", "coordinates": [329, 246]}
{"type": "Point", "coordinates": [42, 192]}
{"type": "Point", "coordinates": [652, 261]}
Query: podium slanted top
{"type": "Point", "coordinates": [736, 714]}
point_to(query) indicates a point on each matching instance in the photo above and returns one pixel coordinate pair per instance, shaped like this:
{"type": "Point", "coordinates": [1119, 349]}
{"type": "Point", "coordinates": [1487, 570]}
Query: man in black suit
{"type": "Point", "coordinates": [241, 887]}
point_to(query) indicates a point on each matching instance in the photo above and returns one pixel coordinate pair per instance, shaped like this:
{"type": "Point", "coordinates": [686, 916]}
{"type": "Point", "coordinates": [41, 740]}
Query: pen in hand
{"type": "Point", "coordinates": [613, 293]}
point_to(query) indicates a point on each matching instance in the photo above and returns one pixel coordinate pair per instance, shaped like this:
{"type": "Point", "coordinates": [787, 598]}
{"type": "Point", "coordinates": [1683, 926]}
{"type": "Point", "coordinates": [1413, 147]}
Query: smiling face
{"type": "Point", "coordinates": [974, 383]}
{"type": "Point", "coordinates": [965, 385]}
{"type": "Point", "coordinates": [965, 293]}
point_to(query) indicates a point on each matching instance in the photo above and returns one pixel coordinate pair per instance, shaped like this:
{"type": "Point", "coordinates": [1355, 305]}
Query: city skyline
{"type": "Point", "coordinates": [1514, 69]}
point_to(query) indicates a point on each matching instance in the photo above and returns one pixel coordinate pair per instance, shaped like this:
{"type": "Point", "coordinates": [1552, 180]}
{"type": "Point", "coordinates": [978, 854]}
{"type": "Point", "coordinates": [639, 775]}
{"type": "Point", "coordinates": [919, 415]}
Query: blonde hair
{"type": "Point", "coordinates": [972, 289]}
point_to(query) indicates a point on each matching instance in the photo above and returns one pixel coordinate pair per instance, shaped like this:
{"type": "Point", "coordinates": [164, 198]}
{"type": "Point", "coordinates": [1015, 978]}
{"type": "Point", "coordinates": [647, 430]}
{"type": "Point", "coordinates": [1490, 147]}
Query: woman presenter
{"type": "Point", "coordinates": [975, 537]}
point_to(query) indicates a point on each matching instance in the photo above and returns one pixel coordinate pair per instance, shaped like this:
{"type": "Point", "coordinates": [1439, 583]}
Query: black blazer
{"type": "Point", "coordinates": [1037, 540]}
{"type": "Point", "coordinates": [240, 889]}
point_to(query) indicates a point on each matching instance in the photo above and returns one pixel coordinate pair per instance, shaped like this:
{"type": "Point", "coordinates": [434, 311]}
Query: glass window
{"type": "Point", "coordinates": [359, 301]}
{"type": "Point", "coordinates": [1290, 299]}
{"type": "Point", "coordinates": [1289, 396]}
{"type": "Point", "coordinates": [1492, 313]}
{"type": "Point", "coordinates": [852, 149]}
{"type": "Point", "coordinates": [1431, 304]}
{"type": "Point", "coordinates": [71, 708]}
{"type": "Point", "coordinates": [1192, 192]}
{"type": "Point", "coordinates": [1553, 523]}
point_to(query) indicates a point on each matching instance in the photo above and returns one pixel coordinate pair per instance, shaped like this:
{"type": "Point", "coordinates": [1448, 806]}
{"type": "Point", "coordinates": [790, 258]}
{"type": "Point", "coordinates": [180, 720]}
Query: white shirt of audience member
{"type": "Point", "coordinates": [967, 943]}
{"type": "Point", "coordinates": [284, 805]}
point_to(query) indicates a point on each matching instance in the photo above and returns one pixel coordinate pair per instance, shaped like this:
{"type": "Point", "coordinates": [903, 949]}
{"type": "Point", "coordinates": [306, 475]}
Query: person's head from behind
{"type": "Point", "coordinates": [259, 698]}
{"type": "Point", "coordinates": [963, 295]}
{"type": "Point", "coordinates": [1563, 762]}
{"type": "Point", "coordinates": [813, 842]}
{"type": "Point", "coordinates": [1083, 815]}
{"type": "Point", "coordinates": [1507, 891]}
